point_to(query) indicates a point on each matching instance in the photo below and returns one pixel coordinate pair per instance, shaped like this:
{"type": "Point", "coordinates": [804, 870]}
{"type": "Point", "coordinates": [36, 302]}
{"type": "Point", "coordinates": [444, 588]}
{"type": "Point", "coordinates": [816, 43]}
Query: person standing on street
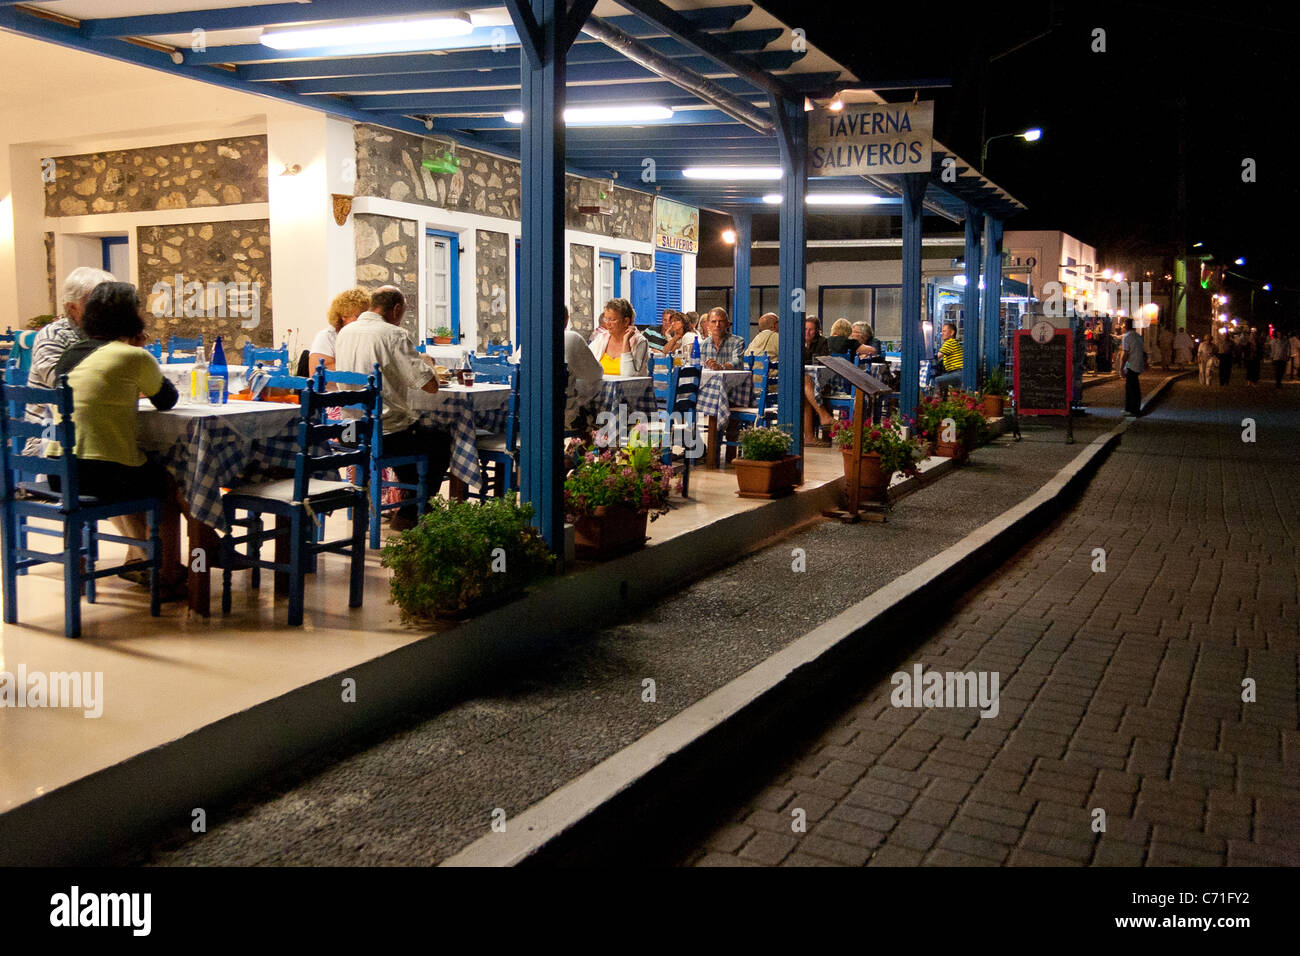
{"type": "Point", "coordinates": [1166, 339]}
{"type": "Point", "coordinates": [1254, 355]}
{"type": "Point", "coordinates": [1132, 361]}
{"type": "Point", "coordinates": [1277, 353]}
{"type": "Point", "coordinates": [1205, 359]}
{"type": "Point", "coordinates": [1294, 343]}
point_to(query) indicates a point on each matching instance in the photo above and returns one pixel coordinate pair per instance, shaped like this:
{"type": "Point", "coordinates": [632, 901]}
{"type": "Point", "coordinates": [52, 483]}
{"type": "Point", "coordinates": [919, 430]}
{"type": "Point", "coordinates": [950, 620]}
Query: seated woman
{"type": "Point", "coordinates": [619, 347]}
{"type": "Point", "coordinates": [344, 309]}
{"type": "Point", "coordinates": [841, 339]}
{"type": "Point", "coordinates": [679, 337]}
{"type": "Point", "coordinates": [107, 379]}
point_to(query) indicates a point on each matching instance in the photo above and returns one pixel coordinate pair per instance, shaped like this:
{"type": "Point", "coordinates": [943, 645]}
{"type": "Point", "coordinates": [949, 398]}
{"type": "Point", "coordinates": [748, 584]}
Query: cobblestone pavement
{"type": "Point", "coordinates": [430, 788]}
{"type": "Point", "coordinates": [1121, 690]}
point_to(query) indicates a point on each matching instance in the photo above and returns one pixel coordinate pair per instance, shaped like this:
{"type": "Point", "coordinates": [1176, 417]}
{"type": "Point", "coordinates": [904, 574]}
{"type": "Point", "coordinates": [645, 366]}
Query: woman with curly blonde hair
{"type": "Point", "coordinates": [344, 309]}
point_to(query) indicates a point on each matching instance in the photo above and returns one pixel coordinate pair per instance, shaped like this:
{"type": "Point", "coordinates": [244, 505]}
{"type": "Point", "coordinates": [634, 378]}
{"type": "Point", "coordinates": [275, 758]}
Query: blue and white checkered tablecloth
{"type": "Point", "coordinates": [637, 392]}
{"type": "Point", "coordinates": [460, 410]}
{"type": "Point", "coordinates": [210, 447]}
{"type": "Point", "coordinates": [721, 391]}
{"type": "Point", "coordinates": [821, 377]}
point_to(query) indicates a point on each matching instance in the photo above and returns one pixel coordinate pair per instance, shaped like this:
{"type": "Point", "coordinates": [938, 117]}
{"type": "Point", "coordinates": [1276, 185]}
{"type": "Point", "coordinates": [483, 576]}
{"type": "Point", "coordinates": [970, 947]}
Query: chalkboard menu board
{"type": "Point", "coordinates": [1044, 373]}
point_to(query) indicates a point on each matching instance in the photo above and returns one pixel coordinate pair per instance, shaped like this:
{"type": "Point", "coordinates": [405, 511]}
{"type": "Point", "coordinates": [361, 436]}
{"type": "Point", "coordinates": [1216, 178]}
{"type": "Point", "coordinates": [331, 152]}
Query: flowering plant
{"type": "Point", "coordinates": [886, 440]}
{"type": "Point", "coordinates": [631, 477]}
{"type": "Point", "coordinates": [962, 407]}
{"type": "Point", "coordinates": [764, 444]}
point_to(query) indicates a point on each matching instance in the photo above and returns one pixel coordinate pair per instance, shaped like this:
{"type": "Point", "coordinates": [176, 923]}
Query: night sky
{"type": "Point", "coordinates": [1106, 169]}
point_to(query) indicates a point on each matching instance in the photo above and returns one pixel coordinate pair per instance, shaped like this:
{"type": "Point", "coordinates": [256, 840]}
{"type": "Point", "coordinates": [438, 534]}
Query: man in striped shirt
{"type": "Point", "coordinates": [951, 356]}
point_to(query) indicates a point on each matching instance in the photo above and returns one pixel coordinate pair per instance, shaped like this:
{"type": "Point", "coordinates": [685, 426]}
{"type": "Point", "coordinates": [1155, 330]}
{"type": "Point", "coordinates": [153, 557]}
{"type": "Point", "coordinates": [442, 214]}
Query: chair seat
{"type": "Point", "coordinates": [752, 412]}
{"type": "Point", "coordinates": [493, 442]}
{"type": "Point", "coordinates": [43, 491]}
{"type": "Point", "coordinates": [282, 490]}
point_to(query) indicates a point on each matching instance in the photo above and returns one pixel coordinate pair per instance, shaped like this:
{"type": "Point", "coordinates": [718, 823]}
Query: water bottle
{"type": "Point", "coordinates": [218, 370]}
{"type": "Point", "coordinates": [199, 378]}
{"type": "Point", "coordinates": [695, 352]}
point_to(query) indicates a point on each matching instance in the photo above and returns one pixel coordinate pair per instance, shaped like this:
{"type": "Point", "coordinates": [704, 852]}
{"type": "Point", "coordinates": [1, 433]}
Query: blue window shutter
{"type": "Point", "coordinates": [668, 283]}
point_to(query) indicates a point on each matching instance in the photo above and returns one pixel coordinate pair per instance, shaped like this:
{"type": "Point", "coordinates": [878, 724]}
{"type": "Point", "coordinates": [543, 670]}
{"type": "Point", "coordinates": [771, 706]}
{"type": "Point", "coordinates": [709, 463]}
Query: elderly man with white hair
{"type": "Point", "coordinates": [55, 339]}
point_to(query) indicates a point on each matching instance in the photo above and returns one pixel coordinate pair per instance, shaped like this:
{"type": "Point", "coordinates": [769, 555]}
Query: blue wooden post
{"type": "Point", "coordinates": [991, 345]}
{"type": "Point", "coordinates": [910, 391]}
{"type": "Point", "coordinates": [541, 279]}
{"type": "Point", "coordinates": [792, 135]}
{"type": "Point", "coordinates": [740, 317]}
{"type": "Point", "coordinates": [971, 302]}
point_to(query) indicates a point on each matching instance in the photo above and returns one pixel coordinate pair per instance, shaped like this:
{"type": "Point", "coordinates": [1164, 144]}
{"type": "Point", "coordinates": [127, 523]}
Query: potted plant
{"type": "Point", "coordinates": [462, 556]}
{"type": "Point", "coordinates": [968, 424]}
{"type": "Point", "coordinates": [610, 494]}
{"type": "Point", "coordinates": [442, 335]}
{"type": "Point", "coordinates": [765, 468]}
{"type": "Point", "coordinates": [995, 392]}
{"type": "Point", "coordinates": [884, 453]}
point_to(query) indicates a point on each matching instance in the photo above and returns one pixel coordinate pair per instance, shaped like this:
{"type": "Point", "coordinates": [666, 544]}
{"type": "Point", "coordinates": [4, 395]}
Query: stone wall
{"type": "Point", "coordinates": [388, 165]}
{"type": "Point", "coordinates": [219, 172]}
{"type": "Point", "coordinates": [237, 255]}
{"type": "Point", "coordinates": [582, 287]}
{"type": "Point", "coordinates": [492, 253]}
{"type": "Point", "coordinates": [388, 253]}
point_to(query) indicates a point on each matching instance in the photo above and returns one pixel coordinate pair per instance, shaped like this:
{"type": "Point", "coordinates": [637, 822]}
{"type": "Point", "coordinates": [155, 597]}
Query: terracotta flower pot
{"type": "Point", "coordinates": [766, 479]}
{"type": "Point", "coordinates": [951, 449]}
{"type": "Point", "coordinates": [442, 340]}
{"type": "Point", "coordinates": [609, 532]}
{"type": "Point", "coordinates": [873, 481]}
{"type": "Point", "coordinates": [993, 405]}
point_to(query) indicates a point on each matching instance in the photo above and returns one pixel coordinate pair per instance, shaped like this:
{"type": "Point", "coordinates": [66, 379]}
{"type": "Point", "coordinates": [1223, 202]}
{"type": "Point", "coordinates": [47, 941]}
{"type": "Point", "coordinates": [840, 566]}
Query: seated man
{"type": "Point", "coordinates": [720, 349]}
{"type": "Point", "coordinates": [767, 339]}
{"type": "Point", "coordinates": [377, 337]}
{"type": "Point", "coordinates": [950, 356]}
{"type": "Point", "coordinates": [865, 336]}
{"type": "Point", "coordinates": [584, 377]}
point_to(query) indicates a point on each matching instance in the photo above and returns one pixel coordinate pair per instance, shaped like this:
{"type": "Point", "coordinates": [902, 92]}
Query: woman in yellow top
{"type": "Point", "coordinates": [619, 347]}
{"type": "Point", "coordinates": [107, 381]}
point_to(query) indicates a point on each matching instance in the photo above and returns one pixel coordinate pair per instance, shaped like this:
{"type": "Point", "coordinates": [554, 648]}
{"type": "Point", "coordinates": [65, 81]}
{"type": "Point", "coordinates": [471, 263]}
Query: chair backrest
{"type": "Point", "coordinates": [154, 348]}
{"type": "Point", "coordinates": [177, 344]}
{"type": "Point", "coordinates": [502, 350]}
{"type": "Point", "coordinates": [253, 355]}
{"type": "Point", "coordinates": [512, 410]}
{"type": "Point", "coordinates": [280, 378]}
{"type": "Point", "coordinates": [661, 376]}
{"type": "Point", "coordinates": [15, 430]}
{"type": "Point", "coordinates": [494, 374]}
{"type": "Point", "coordinates": [15, 374]}
{"type": "Point", "coordinates": [348, 440]}
{"type": "Point", "coordinates": [7, 337]}
{"type": "Point", "coordinates": [685, 391]}
{"type": "Point", "coordinates": [22, 351]}
{"type": "Point", "coordinates": [323, 376]}
{"type": "Point", "coordinates": [760, 367]}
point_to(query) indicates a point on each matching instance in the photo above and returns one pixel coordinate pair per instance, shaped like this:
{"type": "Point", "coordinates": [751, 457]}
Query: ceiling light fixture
{"type": "Point", "coordinates": [602, 115]}
{"type": "Point", "coordinates": [831, 199]}
{"type": "Point", "coordinates": [732, 173]}
{"type": "Point", "coordinates": [367, 32]}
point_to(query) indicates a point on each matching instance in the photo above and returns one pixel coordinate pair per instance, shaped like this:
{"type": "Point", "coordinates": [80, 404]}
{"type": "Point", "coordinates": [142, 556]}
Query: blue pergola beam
{"type": "Point", "coordinates": [792, 139]}
{"type": "Point", "coordinates": [749, 42]}
{"type": "Point", "coordinates": [971, 302]}
{"type": "Point", "coordinates": [742, 221]}
{"type": "Point", "coordinates": [269, 15]}
{"type": "Point", "coordinates": [991, 344]}
{"type": "Point", "coordinates": [913, 188]}
{"type": "Point", "coordinates": [680, 28]}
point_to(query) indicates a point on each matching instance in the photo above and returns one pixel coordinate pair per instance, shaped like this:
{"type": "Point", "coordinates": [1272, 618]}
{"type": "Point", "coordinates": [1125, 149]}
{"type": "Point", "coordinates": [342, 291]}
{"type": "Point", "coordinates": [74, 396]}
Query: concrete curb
{"type": "Point", "coordinates": [711, 733]}
{"type": "Point", "coordinates": [659, 768]}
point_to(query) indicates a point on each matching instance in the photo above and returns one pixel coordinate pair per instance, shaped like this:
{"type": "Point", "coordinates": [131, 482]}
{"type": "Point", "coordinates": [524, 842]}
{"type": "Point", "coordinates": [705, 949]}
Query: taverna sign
{"type": "Point", "coordinates": [873, 138]}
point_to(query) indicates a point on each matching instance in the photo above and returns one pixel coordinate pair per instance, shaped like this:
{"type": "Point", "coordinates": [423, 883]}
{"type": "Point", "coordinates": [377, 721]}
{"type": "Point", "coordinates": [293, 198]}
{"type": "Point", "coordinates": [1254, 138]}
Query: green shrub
{"type": "Point", "coordinates": [446, 562]}
{"type": "Point", "coordinates": [764, 444]}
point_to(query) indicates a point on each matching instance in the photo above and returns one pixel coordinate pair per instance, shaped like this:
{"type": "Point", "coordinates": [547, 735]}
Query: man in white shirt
{"type": "Point", "coordinates": [1132, 361]}
{"type": "Point", "coordinates": [767, 341]}
{"type": "Point", "coordinates": [377, 337]}
{"type": "Point", "coordinates": [584, 377]}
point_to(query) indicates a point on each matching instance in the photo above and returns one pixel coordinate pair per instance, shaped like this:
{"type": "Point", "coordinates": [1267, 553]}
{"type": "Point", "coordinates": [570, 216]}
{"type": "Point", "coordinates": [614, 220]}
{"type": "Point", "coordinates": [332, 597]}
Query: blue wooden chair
{"type": "Point", "coordinates": [379, 461]}
{"type": "Point", "coordinates": [498, 453]}
{"type": "Point", "coordinates": [763, 412]}
{"type": "Point", "coordinates": [181, 349]}
{"type": "Point", "coordinates": [661, 376]}
{"type": "Point", "coordinates": [154, 348]}
{"type": "Point", "coordinates": [253, 355]}
{"type": "Point", "coordinates": [77, 515]}
{"type": "Point", "coordinates": [683, 399]}
{"type": "Point", "coordinates": [494, 370]}
{"type": "Point", "coordinates": [504, 350]}
{"type": "Point", "coordinates": [6, 344]}
{"type": "Point", "coordinates": [300, 503]}
{"type": "Point", "coordinates": [22, 352]}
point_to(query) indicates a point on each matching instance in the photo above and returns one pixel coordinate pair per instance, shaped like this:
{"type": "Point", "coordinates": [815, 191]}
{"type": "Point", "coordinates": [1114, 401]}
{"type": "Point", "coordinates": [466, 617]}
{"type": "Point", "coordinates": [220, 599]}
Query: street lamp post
{"type": "Point", "coordinates": [1032, 135]}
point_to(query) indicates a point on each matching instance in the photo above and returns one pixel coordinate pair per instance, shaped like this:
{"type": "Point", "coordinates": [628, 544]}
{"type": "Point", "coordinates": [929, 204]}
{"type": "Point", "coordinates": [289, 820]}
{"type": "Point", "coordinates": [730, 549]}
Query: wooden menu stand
{"type": "Point", "coordinates": [863, 385]}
